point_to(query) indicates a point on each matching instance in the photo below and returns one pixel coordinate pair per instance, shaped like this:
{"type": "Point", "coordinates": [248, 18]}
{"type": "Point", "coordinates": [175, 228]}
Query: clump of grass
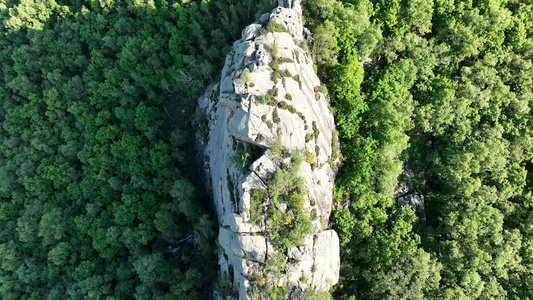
{"type": "Point", "coordinates": [274, 49]}
{"type": "Point", "coordinates": [276, 74]}
{"type": "Point", "coordinates": [276, 148]}
{"type": "Point", "coordinates": [243, 156]}
{"type": "Point", "coordinates": [257, 197]}
{"type": "Point", "coordinates": [297, 55]}
{"type": "Point", "coordinates": [273, 27]}
{"type": "Point", "coordinates": [245, 75]}
{"type": "Point", "coordinates": [275, 116]}
{"type": "Point", "coordinates": [265, 99]}
{"type": "Point", "coordinates": [297, 79]}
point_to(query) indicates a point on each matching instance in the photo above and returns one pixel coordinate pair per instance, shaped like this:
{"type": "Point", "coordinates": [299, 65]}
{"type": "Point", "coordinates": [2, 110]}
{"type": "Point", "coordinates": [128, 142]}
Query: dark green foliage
{"type": "Point", "coordinates": [245, 155]}
{"type": "Point", "coordinates": [448, 87]}
{"type": "Point", "coordinates": [97, 199]}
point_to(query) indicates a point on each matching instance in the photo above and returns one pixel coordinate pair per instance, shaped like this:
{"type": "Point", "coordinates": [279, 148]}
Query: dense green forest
{"type": "Point", "coordinates": [446, 86]}
{"type": "Point", "coordinates": [99, 200]}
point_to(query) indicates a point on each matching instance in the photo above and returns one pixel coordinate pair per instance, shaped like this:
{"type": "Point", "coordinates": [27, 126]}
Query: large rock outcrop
{"type": "Point", "coordinates": [273, 207]}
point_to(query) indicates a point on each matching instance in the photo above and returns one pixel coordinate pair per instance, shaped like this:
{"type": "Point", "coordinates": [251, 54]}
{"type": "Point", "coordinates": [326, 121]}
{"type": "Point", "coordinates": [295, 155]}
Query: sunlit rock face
{"type": "Point", "coordinates": [269, 104]}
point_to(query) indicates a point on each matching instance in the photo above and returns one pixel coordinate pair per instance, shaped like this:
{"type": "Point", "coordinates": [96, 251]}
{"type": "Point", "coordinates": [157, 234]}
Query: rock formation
{"type": "Point", "coordinates": [408, 193]}
{"type": "Point", "coordinates": [268, 157]}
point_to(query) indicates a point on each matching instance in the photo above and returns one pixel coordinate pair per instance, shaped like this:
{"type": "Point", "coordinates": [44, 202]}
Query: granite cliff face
{"type": "Point", "coordinates": [268, 157]}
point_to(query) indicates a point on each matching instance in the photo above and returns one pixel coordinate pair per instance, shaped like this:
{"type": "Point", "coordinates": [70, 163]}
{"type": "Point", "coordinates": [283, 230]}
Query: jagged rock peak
{"type": "Point", "coordinates": [269, 152]}
{"type": "Point", "coordinates": [292, 4]}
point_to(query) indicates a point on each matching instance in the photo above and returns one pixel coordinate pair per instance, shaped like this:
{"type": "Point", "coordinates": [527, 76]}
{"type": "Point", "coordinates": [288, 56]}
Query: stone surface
{"type": "Point", "coordinates": [236, 116]}
{"type": "Point", "coordinates": [327, 260]}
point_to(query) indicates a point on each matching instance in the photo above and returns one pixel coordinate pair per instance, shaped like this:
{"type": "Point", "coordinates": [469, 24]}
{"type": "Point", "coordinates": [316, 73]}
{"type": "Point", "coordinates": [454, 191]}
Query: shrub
{"type": "Point", "coordinates": [297, 55]}
{"type": "Point", "coordinates": [285, 230]}
{"type": "Point", "coordinates": [276, 148]}
{"type": "Point", "coordinates": [257, 197]}
{"type": "Point", "coordinates": [275, 116]}
{"type": "Point", "coordinates": [291, 109]}
{"type": "Point", "coordinates": [288, 97]}
{"type": "Point", "coordinates": [310, 158]}
{"type": "Point", "coordinates": [265, 99]}
{"type": "Point", "coordinates": [276, 74]}
{"type": "Point", "coordinates": [242, 157]}
{"type": "Point", "coordinates": [245, 75]}
{"type": "Point", "coordinates": [297, 79]}
{"type": "Point", "coordinates": [315, 130]}
{"type": "Point", "coordinates": [296, 202]}
{"type": "Point", "coordinates": [274, 49]}
{"type": "Point", "coordinates": [273, 27]}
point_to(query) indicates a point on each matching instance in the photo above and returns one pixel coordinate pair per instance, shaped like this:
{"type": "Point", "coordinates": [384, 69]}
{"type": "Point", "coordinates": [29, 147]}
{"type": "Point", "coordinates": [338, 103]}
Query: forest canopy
{"type": "Point", "coordinates": [438, 92]}
{"type": "Point", "coordinates": [98, 194]}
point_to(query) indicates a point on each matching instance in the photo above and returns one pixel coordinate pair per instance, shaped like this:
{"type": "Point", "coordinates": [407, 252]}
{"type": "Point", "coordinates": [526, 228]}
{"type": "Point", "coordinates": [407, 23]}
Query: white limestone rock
{"type": "Point", "coordinates": [251, 32]}
{"type": "Point", "coordinates": [235, 115]}
{"type": "Point", "coordinates": [327, 260]}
